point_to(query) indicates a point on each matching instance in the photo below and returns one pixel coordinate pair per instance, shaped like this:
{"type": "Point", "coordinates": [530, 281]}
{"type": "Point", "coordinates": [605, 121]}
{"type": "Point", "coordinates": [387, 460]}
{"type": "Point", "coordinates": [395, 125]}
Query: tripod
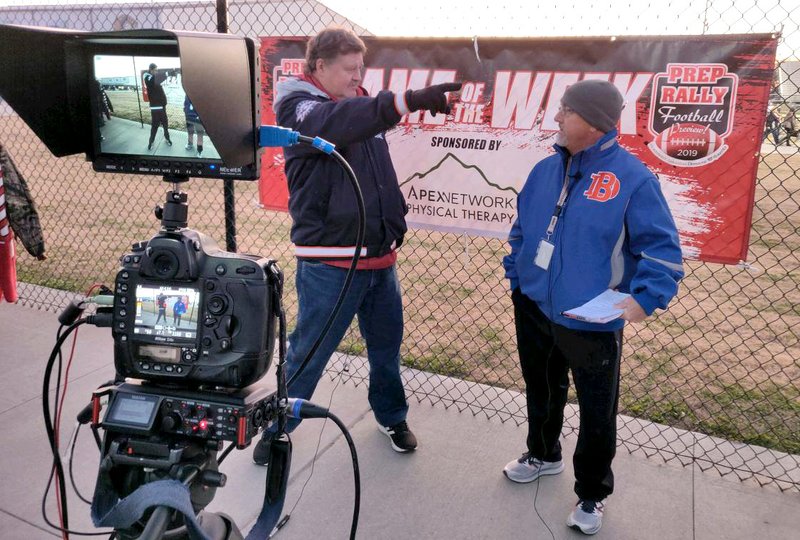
{"type": "Point", "coordinates": [129, 462]}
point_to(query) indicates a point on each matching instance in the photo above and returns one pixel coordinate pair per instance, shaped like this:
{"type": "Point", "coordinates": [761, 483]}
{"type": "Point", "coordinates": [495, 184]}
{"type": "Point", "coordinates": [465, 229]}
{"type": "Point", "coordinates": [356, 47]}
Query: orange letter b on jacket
{"type": "Point", "coordinates": [605, 186]}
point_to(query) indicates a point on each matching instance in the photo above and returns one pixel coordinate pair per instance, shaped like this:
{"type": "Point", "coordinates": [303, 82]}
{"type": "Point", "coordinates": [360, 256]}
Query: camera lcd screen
{"type": "Point", "coordinates": [132, 410]}
{"type": "Point", "coordinates": [160, 353]}
{"type": "Point", "coordinates": [168, 312]}
{"type": "Point", "coordinates": [140, 109]}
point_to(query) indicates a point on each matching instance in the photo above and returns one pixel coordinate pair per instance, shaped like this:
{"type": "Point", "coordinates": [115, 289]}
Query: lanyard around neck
{"type": "Point", "coordinates": [562, 201]}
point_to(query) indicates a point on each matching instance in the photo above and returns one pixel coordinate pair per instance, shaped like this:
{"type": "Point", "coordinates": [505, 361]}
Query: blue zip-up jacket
{"type": "Point", "coordinates": [614, 231]}
{"type": "Point", "coordinates": [190, 112]}
{"type": "Point", "coordinates": [321, 198]}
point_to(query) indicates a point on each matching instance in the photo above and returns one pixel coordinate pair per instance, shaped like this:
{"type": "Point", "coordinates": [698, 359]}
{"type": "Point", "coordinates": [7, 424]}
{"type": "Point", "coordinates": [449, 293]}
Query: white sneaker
{"type": "Point", "coordinates": [587, 516]}
{"type": "Point", "coordinates": [189, 146]}
{"type": "Point", "coordinates": [527, 468]}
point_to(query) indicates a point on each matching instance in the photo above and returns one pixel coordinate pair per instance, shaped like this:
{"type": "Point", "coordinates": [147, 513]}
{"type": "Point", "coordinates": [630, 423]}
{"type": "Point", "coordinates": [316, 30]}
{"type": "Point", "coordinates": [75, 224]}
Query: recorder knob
{"type": "Point", "coordinates": [171, 422]}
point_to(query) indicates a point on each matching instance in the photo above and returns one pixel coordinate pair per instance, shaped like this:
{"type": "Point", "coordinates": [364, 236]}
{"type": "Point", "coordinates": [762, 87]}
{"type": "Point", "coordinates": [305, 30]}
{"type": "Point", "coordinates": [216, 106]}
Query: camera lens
{"type": "Point", "coordinates": [165, 264]}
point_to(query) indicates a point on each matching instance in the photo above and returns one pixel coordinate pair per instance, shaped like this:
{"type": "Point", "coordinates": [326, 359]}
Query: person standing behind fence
{"type": "Point", "coordinates": [328, 101]}
{"type": "Point", "coordinates": [591, 217]}
{"type": "Point", "coordinates": [158, 105]}
{"type": "Point", "coordinates": [772, 126]}
{"type": "Point", "coordinates": [789, 125]}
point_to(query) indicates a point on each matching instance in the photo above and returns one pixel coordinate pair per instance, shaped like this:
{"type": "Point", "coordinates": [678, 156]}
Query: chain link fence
{"type": "Point", "coordinates": [720, 368]}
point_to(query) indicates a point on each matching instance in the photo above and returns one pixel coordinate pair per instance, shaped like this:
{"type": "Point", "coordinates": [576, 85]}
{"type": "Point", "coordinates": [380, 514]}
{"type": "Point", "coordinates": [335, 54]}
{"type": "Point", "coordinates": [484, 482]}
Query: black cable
{"type": "Point", "coordinates": [280, 371]}
{"type": "Point", "coordinates": [71, 474]}
{"type": "Point", "coordinates": [57, 468]}
{"type": "Point", "coordinates": [58, 527]}
{"type": "Point", "coordinates": [225, 453]}
{"type": "Point", "coordinates": [48, 422]}
{"type": "Point", "coordinates": [361, 231]}
{"type": "Point", "coordinates": [288, 514]}
{"type": "Point", "coordinates": [97, 440]}
{"type": "Point", "coordinates": [544, 445]}
{"type": "Point", "coordinates": [356, 255]}
{"type": "Point", "coordinates": [56, 402]}
{"type": "Point", "coordinates": [356, 473]}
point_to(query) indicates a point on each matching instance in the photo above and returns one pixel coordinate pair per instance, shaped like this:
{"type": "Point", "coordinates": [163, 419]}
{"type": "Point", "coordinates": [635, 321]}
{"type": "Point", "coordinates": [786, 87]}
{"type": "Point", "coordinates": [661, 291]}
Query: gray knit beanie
{"type": "Point", "coordinates": [597, 102]}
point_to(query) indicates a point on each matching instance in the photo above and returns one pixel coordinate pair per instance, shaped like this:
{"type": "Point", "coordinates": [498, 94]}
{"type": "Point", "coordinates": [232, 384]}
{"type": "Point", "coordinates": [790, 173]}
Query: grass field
{"type": "Point", "coordinates": [723, 360]}
{"type": "Point", "coordinates": [128, 106]}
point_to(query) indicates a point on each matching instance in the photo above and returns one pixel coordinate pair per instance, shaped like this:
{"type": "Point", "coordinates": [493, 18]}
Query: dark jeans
{"type": "Point", "coordinates": [776, 135]}
{"type": "Point", "coordinates": [547, 351]}
{"type": "Point", "coordinates": [374, 297]}
{"type": "Point", "coordinates": [158, 117]}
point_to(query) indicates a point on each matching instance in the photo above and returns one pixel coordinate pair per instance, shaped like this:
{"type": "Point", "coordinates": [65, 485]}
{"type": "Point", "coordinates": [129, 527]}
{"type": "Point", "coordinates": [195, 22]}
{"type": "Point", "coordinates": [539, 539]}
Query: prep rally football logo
{"type": "Point", "coordinates": [289, 67]}
{"type": "Point", "coordinates": [691, 113]}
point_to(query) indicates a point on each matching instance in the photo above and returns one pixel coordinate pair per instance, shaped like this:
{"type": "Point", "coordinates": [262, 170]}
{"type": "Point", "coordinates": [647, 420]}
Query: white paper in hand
{"type": "Point", "coordinates": [599, 309]}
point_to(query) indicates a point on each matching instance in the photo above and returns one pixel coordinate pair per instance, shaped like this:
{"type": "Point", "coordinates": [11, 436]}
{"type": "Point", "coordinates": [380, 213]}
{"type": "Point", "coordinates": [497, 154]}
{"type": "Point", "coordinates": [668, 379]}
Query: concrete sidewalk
{"type": "Point", "coordinates": [451, 488]}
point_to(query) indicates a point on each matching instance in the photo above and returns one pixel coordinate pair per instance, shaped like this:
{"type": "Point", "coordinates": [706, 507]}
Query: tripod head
{"type": "Point", "coordinates": [174, 215]}
{"type": "Point", "coordinates": [130, 462]}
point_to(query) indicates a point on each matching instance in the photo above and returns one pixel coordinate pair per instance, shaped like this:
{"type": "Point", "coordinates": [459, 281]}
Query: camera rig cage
{"type": "Point", "coordinates": [199, 383]}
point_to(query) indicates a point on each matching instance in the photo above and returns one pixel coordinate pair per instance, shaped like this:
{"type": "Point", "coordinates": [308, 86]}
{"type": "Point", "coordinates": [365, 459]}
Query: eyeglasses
{"type": "Point", "coordinates": [353, 70]}
{"type": "Point", "coordinates": [564, 110]}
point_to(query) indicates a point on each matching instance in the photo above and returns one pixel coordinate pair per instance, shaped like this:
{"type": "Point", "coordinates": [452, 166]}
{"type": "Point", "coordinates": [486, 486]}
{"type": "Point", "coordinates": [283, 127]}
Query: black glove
{"type": "Point", "coordinates": [431, 98]}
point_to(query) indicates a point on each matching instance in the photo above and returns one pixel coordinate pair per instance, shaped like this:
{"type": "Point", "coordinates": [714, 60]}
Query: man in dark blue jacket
{"type": "Point", "coordinates": [590, 218]}
{"type": "Point", "coordinates": [328, 101]}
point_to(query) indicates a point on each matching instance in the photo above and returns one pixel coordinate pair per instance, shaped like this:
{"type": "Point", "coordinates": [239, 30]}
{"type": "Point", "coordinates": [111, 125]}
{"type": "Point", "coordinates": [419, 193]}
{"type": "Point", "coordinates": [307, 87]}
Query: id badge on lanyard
{"type": "Point", "coordinates": [544, 252]}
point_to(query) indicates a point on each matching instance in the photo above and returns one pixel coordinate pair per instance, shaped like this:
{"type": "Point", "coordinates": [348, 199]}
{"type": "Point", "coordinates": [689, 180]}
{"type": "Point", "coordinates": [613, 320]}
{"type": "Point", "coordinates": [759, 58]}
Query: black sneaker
{"type": "Point", "coordinates": [402, 438]}
{"type": "Point", "coordinates": [150, 146]}
{"type": "Point", "coordinates": [169, 142]}
{"type": "Point", "coordinates": [261, 451]}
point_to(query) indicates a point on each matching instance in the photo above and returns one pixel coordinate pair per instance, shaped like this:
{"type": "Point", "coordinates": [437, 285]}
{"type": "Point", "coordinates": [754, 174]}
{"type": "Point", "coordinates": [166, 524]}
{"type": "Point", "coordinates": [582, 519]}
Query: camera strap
{"type": "Point", "coordinates": [108, 510]}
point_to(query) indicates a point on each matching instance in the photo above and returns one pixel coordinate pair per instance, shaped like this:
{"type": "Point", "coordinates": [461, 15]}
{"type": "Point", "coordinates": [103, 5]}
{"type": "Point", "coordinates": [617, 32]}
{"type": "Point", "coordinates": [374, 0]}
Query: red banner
{"type": "Point", "coordinates": [694, 113]}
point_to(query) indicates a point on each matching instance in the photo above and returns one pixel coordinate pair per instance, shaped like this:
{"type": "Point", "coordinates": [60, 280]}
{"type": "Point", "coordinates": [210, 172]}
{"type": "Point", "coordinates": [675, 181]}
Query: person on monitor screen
{"type": "Point", "coordinates": [161, 304]}
{"type": "Point", "coordinates": [328, 101]}
{"type": "Point", "coordinates": [158, 105]}
{"type": "Point", "coordinates": [590, 217]}
{"type": "Point", "coordinates": [193, 126]}
{"type": "Point", "coordinates": [178, 309]}
{"type": "Point", "coordinates": [102, 104]}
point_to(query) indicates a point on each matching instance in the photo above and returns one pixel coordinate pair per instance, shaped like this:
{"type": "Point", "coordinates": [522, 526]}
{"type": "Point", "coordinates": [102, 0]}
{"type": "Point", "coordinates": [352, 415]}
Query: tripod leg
{"type": "Point", "coordinates": [219, 526]}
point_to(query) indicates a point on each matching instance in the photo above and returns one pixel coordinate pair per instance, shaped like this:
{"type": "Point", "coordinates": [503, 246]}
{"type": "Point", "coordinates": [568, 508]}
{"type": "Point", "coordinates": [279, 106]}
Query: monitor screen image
{"type": "Point", "coordinates": [167, 311]}
{"type": "Point", "coordinates": [140, 108]}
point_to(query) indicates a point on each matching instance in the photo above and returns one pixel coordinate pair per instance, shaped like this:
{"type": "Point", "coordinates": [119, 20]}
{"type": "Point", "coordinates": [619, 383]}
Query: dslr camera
{"type": "Point", "coordinates": [187, 313]}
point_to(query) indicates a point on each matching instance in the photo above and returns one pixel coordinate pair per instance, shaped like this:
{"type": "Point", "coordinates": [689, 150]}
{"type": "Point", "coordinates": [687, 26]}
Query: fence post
{"type": "Point", "coordinates": [228, 194]}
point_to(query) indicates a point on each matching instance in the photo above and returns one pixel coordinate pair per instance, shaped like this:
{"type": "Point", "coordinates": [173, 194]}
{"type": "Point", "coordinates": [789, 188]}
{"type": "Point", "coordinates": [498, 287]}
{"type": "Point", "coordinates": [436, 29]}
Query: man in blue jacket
{"type": "Point", "coordinates": [328, 101]}
{"type": "Point", "coordinates": [193, 125]}
{"type": "Point", "coordinates": [591, 217]}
